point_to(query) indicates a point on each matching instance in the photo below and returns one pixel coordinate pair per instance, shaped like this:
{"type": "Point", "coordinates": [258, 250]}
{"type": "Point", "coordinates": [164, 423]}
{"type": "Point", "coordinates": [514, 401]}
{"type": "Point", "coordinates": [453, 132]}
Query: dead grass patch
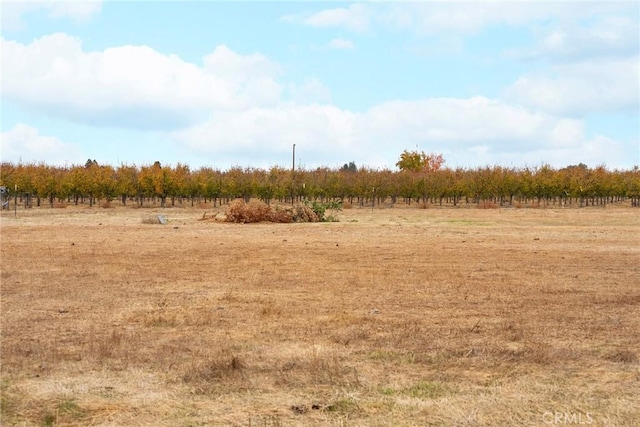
{"type": "Point", "coordinates": [623, 356]}
{"type": "Point", "coordinates": [390, 317]}
{"type": "Point", "coordinates": [216, 372]}
{"type": "Point", "coordinates": [488, 205]}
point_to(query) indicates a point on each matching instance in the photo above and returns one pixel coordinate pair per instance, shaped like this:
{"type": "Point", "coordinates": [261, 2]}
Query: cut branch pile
{"type": "Point", "coordinates": [244, 213]}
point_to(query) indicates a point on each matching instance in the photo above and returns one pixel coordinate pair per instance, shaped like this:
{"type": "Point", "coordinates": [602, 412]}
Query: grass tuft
{"type": "Point", "coordinates": [623, 356]}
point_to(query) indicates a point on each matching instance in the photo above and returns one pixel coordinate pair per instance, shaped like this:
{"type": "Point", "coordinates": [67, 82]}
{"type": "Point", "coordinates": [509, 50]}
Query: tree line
{"type": "Point", "coordinates": [91, 183]}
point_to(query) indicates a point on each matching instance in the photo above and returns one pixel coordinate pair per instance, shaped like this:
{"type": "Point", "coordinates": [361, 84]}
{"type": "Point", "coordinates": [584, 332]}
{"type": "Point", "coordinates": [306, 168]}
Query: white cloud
{"type": "Point", "coordinates": [469, 131]}
{"type": "Point", "coordinates": [355, 18]}
{"type": "Point", "coordinates": [340, 44]}
{"type": "Point", "coordinates": [596, 151]}
{"type": "Point", "coordinates": [310, 91]}
{"type": "Point", "coordinates": [252, 77]}
{"type": "Point", "coordinates": [274, 129]}
{"type": "Point", "coordinates": [608, 36]}
{"type": "Point", "coordinates": [132, 85]}
{"type": "Point", "coordinates": [24, 143]}
{"type": "Point", "coordinates": [13, 12]}
{"type": "Point", "coordinates": [464, 122]}
{"type": "Point", "coordinates": [580, 88]}
{"type": "Point", "coordinates": [226, 63]}
{"type": "Point", "coordinates": [79, 11]}
{"type": "Point", "coordinates": [454, 17]}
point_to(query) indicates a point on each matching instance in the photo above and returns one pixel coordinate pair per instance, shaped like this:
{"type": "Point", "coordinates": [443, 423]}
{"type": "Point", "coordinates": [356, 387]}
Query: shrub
{"type": "Point", "coordinates": [320, 209]}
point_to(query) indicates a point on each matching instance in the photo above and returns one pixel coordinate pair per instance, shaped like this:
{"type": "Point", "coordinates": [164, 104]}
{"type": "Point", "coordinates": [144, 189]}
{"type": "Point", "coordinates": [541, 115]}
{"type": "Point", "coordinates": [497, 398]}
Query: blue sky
{"type": "Point", "coordinates": [221, 84]}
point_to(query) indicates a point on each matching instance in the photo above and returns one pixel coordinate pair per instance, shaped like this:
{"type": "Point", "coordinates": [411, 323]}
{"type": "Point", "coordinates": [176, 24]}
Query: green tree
{"type": "Point", "coordinates": [350, 167]}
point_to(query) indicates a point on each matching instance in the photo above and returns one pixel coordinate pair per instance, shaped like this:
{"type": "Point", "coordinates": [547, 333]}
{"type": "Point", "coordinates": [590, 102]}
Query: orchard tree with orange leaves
{"type": "Point", "coordinates": [414, 161]}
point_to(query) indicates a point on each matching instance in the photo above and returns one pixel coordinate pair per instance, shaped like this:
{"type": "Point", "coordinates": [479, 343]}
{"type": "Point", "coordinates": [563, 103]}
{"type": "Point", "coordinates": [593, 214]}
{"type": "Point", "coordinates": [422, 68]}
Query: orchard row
{"type": "Point", "coordinates": [579, 185]}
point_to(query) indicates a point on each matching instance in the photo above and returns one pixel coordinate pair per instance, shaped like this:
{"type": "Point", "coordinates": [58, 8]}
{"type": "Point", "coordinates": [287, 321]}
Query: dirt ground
{"type": "Point", "coordinates": [396, 316]}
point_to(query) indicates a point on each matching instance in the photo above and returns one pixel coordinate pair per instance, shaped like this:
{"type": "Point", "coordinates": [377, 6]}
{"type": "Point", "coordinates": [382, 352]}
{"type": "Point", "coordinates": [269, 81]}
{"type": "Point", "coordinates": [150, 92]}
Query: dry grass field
{"type": "Point", "coordinates": [396, 316]}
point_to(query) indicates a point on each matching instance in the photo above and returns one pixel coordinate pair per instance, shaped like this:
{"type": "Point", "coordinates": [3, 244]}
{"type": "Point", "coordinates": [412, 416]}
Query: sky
{"type": "Point", "coordinates": [223, 84]}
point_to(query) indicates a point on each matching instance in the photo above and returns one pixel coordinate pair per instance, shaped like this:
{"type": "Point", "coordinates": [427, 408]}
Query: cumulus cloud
{"type": "Point", "coordinates": [310, 91]}
{"type": "Point", "coordinates": [580, 88]}
{"type": "Point", "coordinates": [274, 129]}
{"type": "Point", "coordinates": [13, 12]}
{"type": "Point", "coordinates": [24, 143]}
{"type": "Point", "coordinates": [596, 151]}
{"type": "Point", "coordinates": [469, 131]}
{"type": "Point", "coordinates": [55, 75]}
{"type": "Point", "coordinates": [464, 122]}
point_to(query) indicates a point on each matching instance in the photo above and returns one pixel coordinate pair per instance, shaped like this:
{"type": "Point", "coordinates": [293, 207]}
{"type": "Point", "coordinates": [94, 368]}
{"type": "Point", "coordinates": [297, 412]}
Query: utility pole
{"type": "Point", "coordinates": [293, 177]}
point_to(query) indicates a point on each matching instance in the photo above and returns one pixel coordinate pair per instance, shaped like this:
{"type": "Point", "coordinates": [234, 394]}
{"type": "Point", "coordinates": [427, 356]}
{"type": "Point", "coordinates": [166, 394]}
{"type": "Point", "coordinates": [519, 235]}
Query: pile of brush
{"type": "Point", "coordinates": [255, 211]}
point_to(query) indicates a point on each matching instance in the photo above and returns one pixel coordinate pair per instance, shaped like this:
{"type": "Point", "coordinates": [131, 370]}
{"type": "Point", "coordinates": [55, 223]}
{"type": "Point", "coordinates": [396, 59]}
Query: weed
{"type": "Point", "coordinates": [387, 391]}
{"type": "Point", "coordinates": [426, 390]}
{"type": "Point", "coordinates": [344, 406]}
{"type": "Point", "coordinates": [321, 208]}
{"type": "Point", "coordinates": [623, 356]}
{"type": "Point", "coordinates": [216, 372]}
{"type": "Point", "coordinates": [117, 344]}
{"type": "Point", "coordinates": [271, 308]}
{"type": "Point", "coordinates": [383, 355]}
{"type": "Point", "coordinates": [49, 420]}
{"type": "Point", "coordinates": [6, 404]}
{"type": "Point", "coordinates": [71, 408]}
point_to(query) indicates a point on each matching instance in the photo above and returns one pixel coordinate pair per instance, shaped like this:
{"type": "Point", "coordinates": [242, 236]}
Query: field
{"type": "Point", "coordinates": [392, 316]}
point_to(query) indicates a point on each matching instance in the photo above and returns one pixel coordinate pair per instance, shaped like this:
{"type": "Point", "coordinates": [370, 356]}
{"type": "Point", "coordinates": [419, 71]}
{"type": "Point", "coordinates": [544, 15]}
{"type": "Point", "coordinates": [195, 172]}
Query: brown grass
{"type": "Point", "coordinates": [485, 204]}
{"type": "Point", "coordinates": [397, 316]}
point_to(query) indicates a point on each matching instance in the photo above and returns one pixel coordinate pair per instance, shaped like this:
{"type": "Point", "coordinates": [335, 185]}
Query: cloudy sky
{"type": "Point", "coordinates": [219, 84]}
